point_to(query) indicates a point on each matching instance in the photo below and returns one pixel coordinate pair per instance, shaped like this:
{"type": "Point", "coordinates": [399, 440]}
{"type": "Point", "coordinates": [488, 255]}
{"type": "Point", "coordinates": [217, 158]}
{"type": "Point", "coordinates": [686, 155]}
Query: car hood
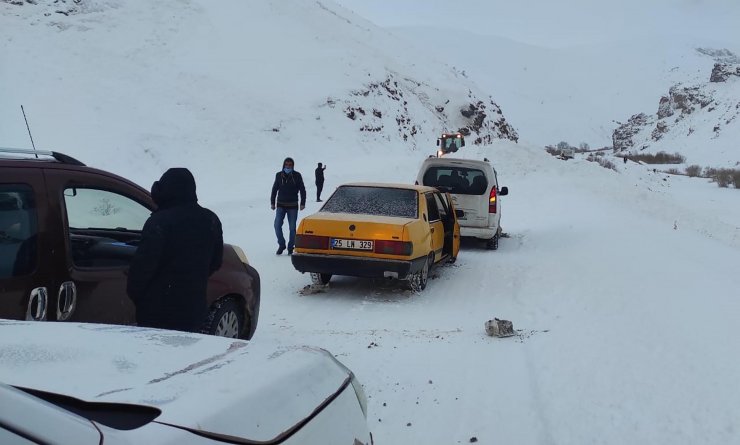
{"type": "Point", "coordinates": [254, 391]}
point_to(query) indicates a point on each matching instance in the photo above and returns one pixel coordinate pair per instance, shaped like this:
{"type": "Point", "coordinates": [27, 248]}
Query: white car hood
{"type": "Point", "coordinates": [252, 390]}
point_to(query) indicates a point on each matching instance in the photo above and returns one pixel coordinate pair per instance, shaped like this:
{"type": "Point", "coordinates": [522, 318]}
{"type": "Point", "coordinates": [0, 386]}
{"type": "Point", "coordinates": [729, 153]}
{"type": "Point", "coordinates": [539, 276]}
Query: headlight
{"type": "Point", "coordinates": [240, 253]}
{"type": "Point", "coordinates": [359, 391]}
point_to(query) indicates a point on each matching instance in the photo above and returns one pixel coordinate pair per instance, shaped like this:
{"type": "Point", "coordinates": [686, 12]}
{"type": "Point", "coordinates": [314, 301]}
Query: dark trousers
{"type": "Point", "coordinates": [319, 188]}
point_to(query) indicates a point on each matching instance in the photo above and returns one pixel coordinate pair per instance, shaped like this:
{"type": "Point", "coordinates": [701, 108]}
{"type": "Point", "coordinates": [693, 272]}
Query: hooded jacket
{"type": "Point", "coordinates": [181, 246]}
{"type": "Point", "coordinates": [286, 188]}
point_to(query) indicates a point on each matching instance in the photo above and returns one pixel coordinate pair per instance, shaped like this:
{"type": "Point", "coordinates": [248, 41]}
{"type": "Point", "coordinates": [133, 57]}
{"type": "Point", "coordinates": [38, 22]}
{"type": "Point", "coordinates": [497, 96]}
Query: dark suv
{"type": "Point", "coordinates": [67, 235]}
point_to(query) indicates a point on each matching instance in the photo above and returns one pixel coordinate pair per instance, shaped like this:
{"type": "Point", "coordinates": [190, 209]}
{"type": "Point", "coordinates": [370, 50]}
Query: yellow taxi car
{"type": "Point", "coordinates": [379, 230]}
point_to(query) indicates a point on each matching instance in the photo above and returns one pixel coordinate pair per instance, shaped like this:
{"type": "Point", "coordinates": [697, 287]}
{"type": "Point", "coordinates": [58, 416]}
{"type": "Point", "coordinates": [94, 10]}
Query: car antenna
{"type": "Point", "coordinates": [29, 131]}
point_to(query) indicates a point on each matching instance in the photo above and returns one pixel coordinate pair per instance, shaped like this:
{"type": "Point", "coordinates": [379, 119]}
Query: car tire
{"type": "Point", "coordinates": [492, 244]}
{"type": "Point", "coordinates": [418, 280]}
{"type": "Point", "coordinates": [226, 319]}
{"type": "Point", "coordinates": [320, 278]}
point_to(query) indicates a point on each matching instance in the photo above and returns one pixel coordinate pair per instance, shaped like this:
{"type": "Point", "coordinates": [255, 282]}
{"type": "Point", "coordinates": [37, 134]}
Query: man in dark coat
{"type": "Point", "coordinates": [181, 246]}
{"type": "Point", "coordinates": [319, 181]}
{"type": "Point", "coordinates": [284, 200]}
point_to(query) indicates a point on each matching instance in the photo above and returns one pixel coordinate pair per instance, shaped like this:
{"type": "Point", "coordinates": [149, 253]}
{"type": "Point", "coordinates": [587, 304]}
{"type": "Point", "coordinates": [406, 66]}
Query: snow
{"type": "Point", "coordinates": [623, 285]}
{"type": "Point", "coordinates": [569, 70]}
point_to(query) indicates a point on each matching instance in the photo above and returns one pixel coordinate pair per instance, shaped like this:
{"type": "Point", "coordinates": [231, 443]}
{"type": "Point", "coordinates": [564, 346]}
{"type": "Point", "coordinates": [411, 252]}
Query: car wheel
{"type": "Point", "coordinates": [320, 278]}
{"type": "Point", "coordinates": [418, 280]}
{"type": "Point", "coordinates": [226, 319]}
{"type": "Point", "coordinates": [492, 244]}
{"type": "Point", "coordinates": [452, 260]}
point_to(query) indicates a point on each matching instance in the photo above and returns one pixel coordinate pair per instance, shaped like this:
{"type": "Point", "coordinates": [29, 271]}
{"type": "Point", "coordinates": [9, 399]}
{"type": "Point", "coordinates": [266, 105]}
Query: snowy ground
{"type": "Point", "coordinates": [624, 320]}
{"type": "Point", "coordinates": [623, 284]}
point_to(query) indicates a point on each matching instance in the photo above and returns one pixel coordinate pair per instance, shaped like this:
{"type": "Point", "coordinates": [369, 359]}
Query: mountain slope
{"type": "Point", "coordinates": [232, 87]}
{"type": "Point", "coordinates": [698, 120]}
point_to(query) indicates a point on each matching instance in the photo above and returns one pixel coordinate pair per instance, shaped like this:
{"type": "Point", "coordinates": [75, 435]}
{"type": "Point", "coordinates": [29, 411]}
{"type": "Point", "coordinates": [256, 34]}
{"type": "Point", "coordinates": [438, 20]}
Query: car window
{"type": "Point", "coordinates": [101, 209]}
{"type": "Point", "coordinates": [442, 206]}
{"type": "Point", "coordinates": [458, 180]}
{"type": "Point", "coordinates": [432, 208]}
{"type": "Point", "coordinates": [104, 227]}
{"type": "Point", "coordinates": [382, 201]}
{"type": "Point", "coordinates": [18, 230]}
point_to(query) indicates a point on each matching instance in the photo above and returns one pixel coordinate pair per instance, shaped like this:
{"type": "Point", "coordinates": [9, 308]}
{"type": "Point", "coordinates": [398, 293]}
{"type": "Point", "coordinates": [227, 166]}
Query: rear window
{"type": "Point", "coordinates": [457, 180]}
{"type": "Point", "coordinates": [18, 230]}
{"type": "Point", "coordinates": [381, 201]}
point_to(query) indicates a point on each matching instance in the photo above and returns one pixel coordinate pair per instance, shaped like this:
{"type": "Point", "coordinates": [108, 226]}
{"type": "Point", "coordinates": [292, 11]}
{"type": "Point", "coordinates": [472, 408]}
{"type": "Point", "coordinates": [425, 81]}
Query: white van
{"type": "Point", "coordinates": [474, 188]}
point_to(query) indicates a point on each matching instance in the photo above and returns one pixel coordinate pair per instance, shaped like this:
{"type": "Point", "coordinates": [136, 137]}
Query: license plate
{"type": "Point", "coordinates": [351, 244]}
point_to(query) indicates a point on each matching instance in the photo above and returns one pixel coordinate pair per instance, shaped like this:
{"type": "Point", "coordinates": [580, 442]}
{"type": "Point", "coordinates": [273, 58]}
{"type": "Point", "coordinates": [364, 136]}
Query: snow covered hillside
{"type": "Point", "coordinates": [571, 70]}
{"type": "Point", "coordinates": [231, 87]}
{"type": "Point", "coordinates": [698, 120]}
{"type": "Point", "coordinates": [623, 284]}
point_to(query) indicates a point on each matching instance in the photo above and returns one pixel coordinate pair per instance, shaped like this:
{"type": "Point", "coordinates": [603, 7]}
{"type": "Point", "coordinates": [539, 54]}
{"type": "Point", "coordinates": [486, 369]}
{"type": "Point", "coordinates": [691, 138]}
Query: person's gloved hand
{"type": "Point", "coordinates": [272, 206]}
{"type": "Point", "coordinates": [303, 207]}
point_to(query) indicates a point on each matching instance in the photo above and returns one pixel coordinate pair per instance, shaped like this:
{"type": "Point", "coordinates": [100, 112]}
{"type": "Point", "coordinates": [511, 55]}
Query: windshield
{"type": "Point", "coordinates": [457, 180]}
{"type": "Point", "coordinates": [381, 201]}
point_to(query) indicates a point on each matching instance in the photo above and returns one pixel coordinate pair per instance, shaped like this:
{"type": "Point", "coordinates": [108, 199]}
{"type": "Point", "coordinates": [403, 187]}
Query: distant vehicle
{"type": "Point", "coordinates": [67, 235]}
{"type": "Point", "coordinates": [567, 153]}
{"type": "Point", "coordinates": [474, 188]}
{"type": "Point", "coordinates": [449, 143]}
{"type": "Point", "coordinates": [379, 230]}
{"type": "Point", "coordinates": [87, 384]}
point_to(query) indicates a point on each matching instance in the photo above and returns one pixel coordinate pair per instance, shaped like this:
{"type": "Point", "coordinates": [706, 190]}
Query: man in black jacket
{"type": "Point", "coordinates": [181, 246]}
{"type": "Point", "coordinates": [284, 200]}
{"type": "Point", "coordinates": [319, 180]}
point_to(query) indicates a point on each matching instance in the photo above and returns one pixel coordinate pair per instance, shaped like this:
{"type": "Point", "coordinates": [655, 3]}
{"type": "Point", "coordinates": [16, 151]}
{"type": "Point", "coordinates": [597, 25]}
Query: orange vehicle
{"type": "Point", "coordinates": [379, 230]}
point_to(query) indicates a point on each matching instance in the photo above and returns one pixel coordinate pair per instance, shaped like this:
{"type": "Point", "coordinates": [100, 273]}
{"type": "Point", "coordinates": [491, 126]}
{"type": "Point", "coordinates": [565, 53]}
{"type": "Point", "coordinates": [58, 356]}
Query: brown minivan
{"type": "Point", "coordinates": [67, 235]}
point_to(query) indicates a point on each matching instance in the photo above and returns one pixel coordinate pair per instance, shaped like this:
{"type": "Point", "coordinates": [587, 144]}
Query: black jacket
{"type": "Point", "coordinates": [181, 246]}
{"type": "Point", "coordinates": [286, 188]}
{"type": "Point", "coordinates": [320, 175]}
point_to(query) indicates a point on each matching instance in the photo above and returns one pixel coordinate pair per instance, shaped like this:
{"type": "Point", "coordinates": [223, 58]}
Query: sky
{"type": "Point", "coordinates": [553, 23]}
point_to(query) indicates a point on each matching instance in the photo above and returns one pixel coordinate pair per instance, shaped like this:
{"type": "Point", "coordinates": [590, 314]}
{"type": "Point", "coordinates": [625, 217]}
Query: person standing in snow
{"type": "Point", "coordinates": [284, 200]}
{"type": "Point", "coordinates": [181, 246]}
{"type": "Point", "coordinates": [319, 181]}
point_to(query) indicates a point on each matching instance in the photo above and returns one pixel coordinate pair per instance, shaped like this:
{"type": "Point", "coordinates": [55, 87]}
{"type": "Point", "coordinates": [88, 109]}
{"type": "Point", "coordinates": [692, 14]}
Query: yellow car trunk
{"type": "Point", "coordinates": [353, 227]}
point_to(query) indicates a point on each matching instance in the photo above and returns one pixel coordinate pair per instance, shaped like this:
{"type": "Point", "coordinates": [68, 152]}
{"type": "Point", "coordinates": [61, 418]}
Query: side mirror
{"type": "Point", "coordinates": [504, 191]}
{"type": "Point", "coordinates": [459, 213]}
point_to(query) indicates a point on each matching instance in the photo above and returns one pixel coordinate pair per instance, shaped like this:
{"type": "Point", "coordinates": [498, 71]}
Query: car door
{"type": "Point", "coordinates": [451, 226]}
{"type": "Point", "coordinates": [436, 226]}
{"type": "Point", "coordinates": [26, 251]}
{"type": "Point", "coordinates": [102, 223]}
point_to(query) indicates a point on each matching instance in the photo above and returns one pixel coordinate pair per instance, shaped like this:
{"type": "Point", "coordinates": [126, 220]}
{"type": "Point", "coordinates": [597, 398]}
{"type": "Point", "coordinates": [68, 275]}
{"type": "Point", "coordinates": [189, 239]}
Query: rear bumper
{"type": "Point", "coordinates": [478, 232]}
{"type": "Point", "coordinates": [355, 266]}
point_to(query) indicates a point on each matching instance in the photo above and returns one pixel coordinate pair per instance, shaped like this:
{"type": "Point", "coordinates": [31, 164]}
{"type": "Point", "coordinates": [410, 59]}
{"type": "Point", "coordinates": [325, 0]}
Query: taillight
{"type": "Point", "coordinates": [492, 200]}
{"type": "Point", "coordinates": [312, 242]}
{"type": "Point", "coordinates": [394, 247]}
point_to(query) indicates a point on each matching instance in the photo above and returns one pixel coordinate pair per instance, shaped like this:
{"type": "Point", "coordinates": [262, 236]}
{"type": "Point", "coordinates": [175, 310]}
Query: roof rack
{"type": "Point", "coordinates": [59, 157]}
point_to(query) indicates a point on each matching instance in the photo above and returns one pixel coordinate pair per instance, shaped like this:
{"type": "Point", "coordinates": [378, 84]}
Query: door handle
{"type": "Point", "coordinates": [66, 301]}
{"type": "Point", "coordinates": [37, 304]}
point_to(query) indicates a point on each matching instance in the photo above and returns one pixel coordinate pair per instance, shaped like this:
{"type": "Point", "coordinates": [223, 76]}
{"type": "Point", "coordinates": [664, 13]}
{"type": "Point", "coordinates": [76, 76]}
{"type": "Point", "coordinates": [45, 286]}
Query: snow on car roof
{"type": "Point", "coordinates": [250, 390]}
{"type": "Point", "coordinates": [419, 188]}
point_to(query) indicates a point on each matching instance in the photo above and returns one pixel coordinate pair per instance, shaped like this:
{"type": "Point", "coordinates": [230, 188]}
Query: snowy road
{"type": "Point", "coordinates": [626, 322]}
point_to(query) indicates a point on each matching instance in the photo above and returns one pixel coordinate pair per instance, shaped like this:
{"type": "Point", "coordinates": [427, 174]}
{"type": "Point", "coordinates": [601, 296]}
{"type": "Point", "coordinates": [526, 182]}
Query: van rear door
{"type": "Point", "coordinates": [468, 186]}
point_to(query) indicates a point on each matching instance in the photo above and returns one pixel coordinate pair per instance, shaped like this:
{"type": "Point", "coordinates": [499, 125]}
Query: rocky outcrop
{"type": "Point", "coordinates": [705, 109]}
{"type": "Point", "coordinates": [623, 136]}
{"type": "Point", "coordinates": [415, 113]}
{"type": "Point", "coordinates": [722, 72]}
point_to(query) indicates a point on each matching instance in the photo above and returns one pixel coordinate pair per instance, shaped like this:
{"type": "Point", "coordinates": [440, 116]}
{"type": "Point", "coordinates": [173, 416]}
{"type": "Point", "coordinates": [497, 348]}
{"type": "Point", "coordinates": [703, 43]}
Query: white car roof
{"type": "Point", "coordinates": [250, 390]}
{"type": "Point", "coordinates": [458, 161]}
